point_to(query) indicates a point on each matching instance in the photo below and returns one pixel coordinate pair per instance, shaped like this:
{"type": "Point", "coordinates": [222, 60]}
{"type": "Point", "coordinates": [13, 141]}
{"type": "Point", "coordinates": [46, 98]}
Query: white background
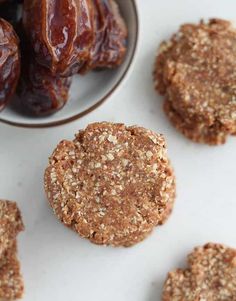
{"type": "Point", "coordinates": [56, 263]}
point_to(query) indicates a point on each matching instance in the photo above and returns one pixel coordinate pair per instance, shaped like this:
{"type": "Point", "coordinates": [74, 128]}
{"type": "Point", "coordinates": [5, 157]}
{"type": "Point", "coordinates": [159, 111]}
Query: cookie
{"type": "Point", "coordinates": [11, 282]}
{"type": "Point", "coordinates": [196, 71]}
{"type": "Point", "coordinates": [211, 276]}
{"type": "Point", "coordinates": [10, 224]}
{"type": "Point", "coordinates": [112, 184]}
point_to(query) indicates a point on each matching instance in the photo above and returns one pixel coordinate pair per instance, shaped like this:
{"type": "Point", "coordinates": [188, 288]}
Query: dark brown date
{"type": "Point", "coordinates": [60, 32]}
{"type": "Point", "coordinates": [110, 41]}
{"type": "Point", "coordinates": [9, 62]}
{"type": "Point", "coordinates": [40, 92]}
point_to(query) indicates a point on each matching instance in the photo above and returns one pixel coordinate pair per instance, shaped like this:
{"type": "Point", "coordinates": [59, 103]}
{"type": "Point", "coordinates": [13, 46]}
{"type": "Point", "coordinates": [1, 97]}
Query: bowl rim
{"type": "Point", "coordinates": [100, 101]}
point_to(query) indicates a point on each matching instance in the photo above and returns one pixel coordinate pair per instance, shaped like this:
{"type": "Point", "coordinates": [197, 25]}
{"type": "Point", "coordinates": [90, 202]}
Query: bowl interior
{"type": "Point", "coordinates": [88, 91]}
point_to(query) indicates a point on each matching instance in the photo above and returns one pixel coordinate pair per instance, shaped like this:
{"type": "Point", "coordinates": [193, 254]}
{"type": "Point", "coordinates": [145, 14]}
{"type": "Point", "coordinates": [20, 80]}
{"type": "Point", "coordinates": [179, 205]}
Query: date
{"type": "Point", "coordinates": [9, 62]}
{"type": "Point", "coordinates": [59, 38]}
{"type": "Point", "coordinates": [60, 32]}
{"type": "Point", "coordinates": [40, 92]}
{"type": "Point", "coordinates": [110, 40]}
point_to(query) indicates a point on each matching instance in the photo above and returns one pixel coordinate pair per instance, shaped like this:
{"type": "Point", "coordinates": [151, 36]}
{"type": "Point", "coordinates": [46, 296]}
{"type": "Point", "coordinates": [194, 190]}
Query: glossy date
{"type": "Point", "coordinates": [110, 40]}
{"type": "Point", "coordinates": [40, 92]}
{"type": "Point", "coordinates": [60, 32]}
{"type": "Point", "coordinates": [59, 38]}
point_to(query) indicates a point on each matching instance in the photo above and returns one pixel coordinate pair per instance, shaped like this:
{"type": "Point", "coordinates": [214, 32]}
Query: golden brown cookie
{"type": "Point", "coordinates": [10, 224]}
{"type": "Point", "coordinates": [112, 184]}
{"type": "Point", "coordinates": [196, 71]}
{"type": "Point", "coordinates": [11, 282]}
{"type": "Point", "coordinates": [211, 276]}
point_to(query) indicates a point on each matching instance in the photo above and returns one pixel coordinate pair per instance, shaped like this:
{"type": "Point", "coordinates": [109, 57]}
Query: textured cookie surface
{"type": "Point", "coordinates": [10, 224]}
{"type": "Point", "coordinates": [113, 184]}
{"type": "Point", "coordinates": [211, 276]}
{"type": "Point", "coordinates": [196, 131]}
{"type": "Point", "coordinates": [196, 70]}
{"type": "Point", "coordinates": [11, 282]}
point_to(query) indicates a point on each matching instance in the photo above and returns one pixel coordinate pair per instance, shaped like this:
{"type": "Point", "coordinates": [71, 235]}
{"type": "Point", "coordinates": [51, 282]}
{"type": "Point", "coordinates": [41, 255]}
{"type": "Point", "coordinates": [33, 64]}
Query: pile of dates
{"type": "Point", "coordinates": [43, 43]}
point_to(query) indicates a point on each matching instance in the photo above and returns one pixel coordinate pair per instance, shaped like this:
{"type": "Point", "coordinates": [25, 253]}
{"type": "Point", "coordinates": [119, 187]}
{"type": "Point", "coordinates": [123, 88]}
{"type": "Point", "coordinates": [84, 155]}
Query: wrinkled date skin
{"type": "Point", "coordinates": [40, 92]}
{"type": "Point", "coordinates": [60, 32]}
{"type": "Point", "coordinates": [9, 62]}
{"type": "Point", "coordinates": [110, 41]}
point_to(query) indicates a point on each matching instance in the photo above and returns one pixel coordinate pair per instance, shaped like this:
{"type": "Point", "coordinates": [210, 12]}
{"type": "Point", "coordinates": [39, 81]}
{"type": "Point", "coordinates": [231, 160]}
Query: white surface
{"type": "Point", "coordinates": [86, 91]}
{"type": "Point", "coordinates": [58, 265]}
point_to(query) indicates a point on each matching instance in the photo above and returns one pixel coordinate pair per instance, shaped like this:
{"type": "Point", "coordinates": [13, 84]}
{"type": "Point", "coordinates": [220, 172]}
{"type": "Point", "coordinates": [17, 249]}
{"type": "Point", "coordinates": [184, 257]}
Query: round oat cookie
{"type": "Point", "coordinates": [196, 71]}
{"type": "Point", "coordinates": [113, 184]}
{"type": "Point", "coordinates": [211, 276]}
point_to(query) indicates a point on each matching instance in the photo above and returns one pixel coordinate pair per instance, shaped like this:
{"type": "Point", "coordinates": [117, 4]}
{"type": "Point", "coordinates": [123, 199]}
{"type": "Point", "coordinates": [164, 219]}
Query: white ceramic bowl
{"type": "Point", "coordinates": [90, 91]}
